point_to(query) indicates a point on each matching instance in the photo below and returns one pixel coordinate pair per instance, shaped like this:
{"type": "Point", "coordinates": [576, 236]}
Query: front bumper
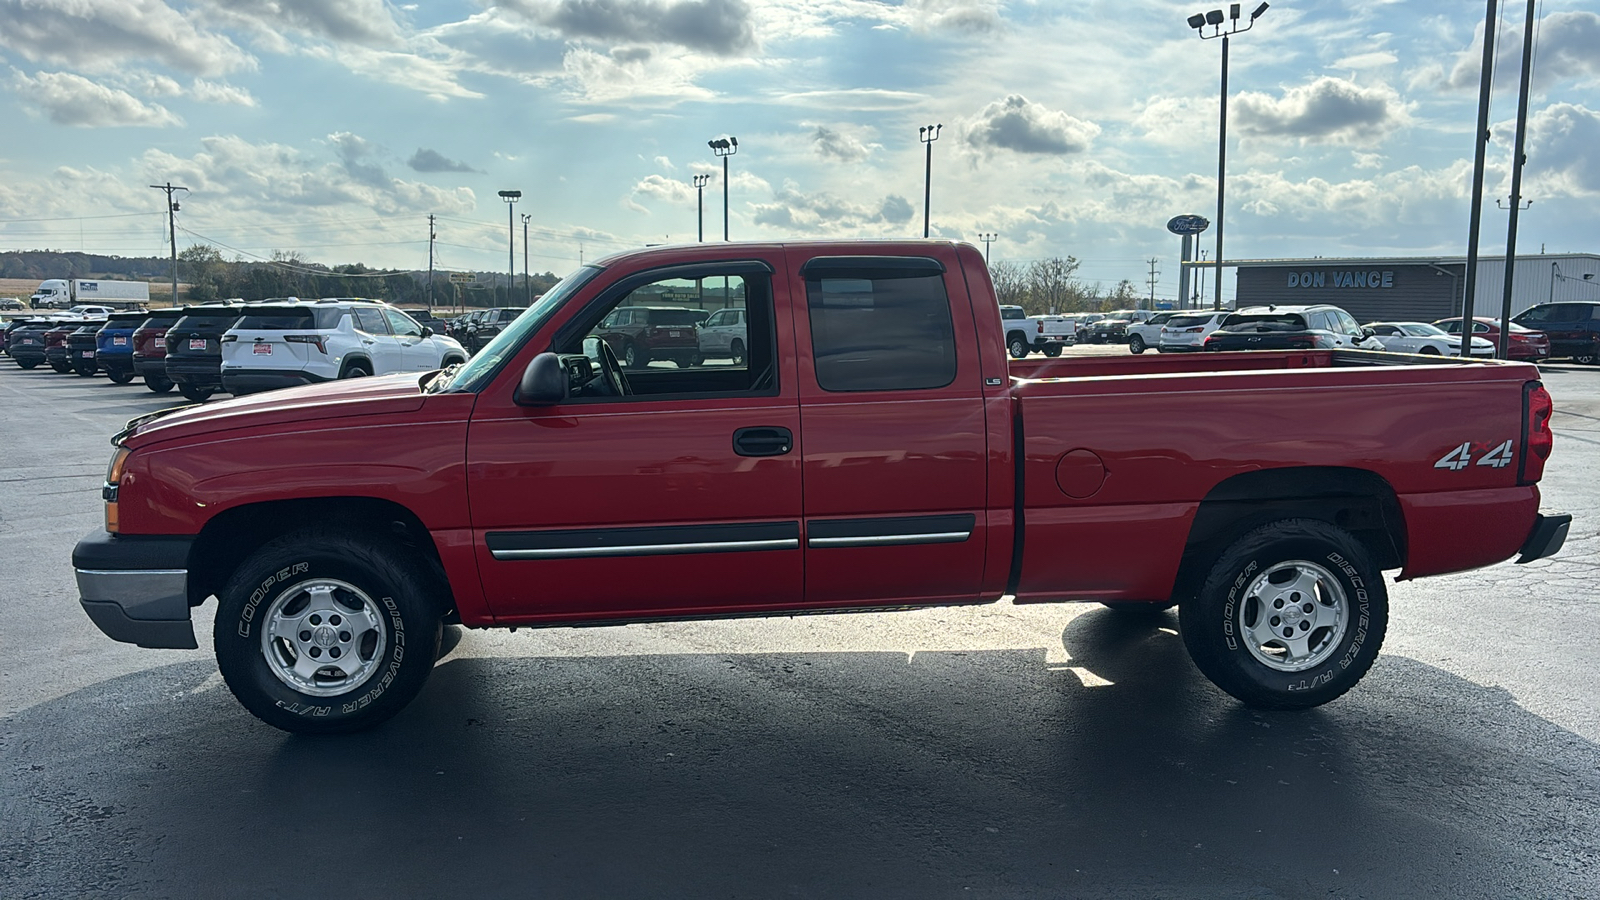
{"type": "Point", "coordinates": [136, 589]}
{"type": "Point", "coordinates": [1548, 534]}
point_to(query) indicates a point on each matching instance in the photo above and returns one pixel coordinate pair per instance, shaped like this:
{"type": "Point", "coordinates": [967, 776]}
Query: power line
{"type": "Point", "coordinates": [292, 267]}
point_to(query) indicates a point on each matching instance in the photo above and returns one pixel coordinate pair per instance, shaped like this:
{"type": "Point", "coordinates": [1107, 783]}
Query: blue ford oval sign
{"type": "Point", "coordinates": [1188, 224]}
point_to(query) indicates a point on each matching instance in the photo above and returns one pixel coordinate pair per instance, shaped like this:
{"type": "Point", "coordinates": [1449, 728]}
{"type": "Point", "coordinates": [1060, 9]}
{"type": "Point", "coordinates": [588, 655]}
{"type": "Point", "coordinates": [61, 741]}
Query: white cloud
{"type": "Point", "coordinates": [1022, 126]}
{"type": "Point", "coordinates": [103, 35]}
{"type": "Point", "coordinates": [631, 75]}
{"type": "Point", "coordinates": [1568, 47]}
{"type": "Point", "coordinates": [828, 143]}
{"type": "Point", "coordinates": [1563, 151]}
{"type": "Point", "coordinates": [69, 99]}
{"type": "Point", "coordinates": [347, 21]}
{"type": "Point", "coordinates": [823, 212]}
{"type": "Point", "coordinates": [720, 27]}
{"type": "Point", "coordinates": [1328, 109]}
{"type": "Point", "coordinates": [428, 76]}
{"type": "Point", "coordinates": [216, 92]}
{"type": "Point", "coordinates": [864, 99]}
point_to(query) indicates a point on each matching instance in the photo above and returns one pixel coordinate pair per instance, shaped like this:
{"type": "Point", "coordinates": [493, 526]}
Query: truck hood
{"type": "Point", "coordinates": [386, 395]}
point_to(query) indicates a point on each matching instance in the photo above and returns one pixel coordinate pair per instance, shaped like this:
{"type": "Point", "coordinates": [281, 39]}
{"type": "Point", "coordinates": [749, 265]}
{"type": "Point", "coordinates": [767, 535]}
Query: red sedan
{"type": "Point", "coordinates": [1525, 342]}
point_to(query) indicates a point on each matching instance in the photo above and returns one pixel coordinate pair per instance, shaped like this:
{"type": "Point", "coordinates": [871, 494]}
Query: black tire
{"type": "Point", "coordinates": [26, 365]}
{"type": "Point", "coordinates": [61, 368]}
{"type": "Point", "coordinates": [390, 600]}
{"type": "Point", "coordinates": [633, 357]}
{"type": "Point", "coordinates": [1584, 360]}
{"type": "Point", "coordinates": [1052, 349]}
{"type": "Point", "coordinates": [1017, 345]}
{"type": "Point", "coordinates": [1136, 344]}
{"type": "Point", "coordinates": [119, 376]}
{"type": "Point", "coordinates": [158, 383]}
{"type": "Point", "coordinates": [1430, 351]}
{"type": "Point", "coordinates": [736, 350]}
{"type": "Point", "coordinates": [356, 369]}
{"type": "Point", "coordinates": [1220, 623]}
{"type": "Point", "coordinates": [86, 371]}
{"type": "Point", "coordinates": [693, 360]}
{"type": "Point", "coordinates": [196, 393]}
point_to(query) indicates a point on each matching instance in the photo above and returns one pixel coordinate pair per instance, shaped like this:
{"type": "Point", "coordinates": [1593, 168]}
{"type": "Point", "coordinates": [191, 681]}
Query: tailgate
{"type": "Point", "coordinates": [268, 349]}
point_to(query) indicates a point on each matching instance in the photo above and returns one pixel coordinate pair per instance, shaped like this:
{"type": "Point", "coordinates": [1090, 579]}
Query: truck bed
{"type": "Point", "coordinates": [1122, 451]}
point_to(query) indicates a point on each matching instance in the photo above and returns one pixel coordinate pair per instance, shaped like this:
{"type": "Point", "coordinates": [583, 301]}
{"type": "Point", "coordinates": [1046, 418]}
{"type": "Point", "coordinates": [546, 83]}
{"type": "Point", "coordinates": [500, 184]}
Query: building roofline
{"type": "Point", "coordinates": [1399, 260]}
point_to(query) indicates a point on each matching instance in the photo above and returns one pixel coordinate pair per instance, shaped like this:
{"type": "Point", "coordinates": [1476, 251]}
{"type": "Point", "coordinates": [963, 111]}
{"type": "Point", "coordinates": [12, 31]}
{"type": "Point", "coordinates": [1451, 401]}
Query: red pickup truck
{"type": "Point", "coordinates": [873, 449]}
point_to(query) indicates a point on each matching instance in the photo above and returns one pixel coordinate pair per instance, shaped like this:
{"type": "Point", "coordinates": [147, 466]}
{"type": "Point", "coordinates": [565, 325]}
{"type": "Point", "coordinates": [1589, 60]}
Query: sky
{"type": "Point", "coordinates": [332, 129]}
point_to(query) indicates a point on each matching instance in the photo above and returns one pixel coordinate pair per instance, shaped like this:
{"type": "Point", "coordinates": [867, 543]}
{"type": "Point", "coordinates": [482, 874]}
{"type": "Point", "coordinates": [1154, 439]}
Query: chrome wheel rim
{"type": "Point", "coordinates": [1294, 616]}
{"type": "Point", "coordinates": [323, 637]}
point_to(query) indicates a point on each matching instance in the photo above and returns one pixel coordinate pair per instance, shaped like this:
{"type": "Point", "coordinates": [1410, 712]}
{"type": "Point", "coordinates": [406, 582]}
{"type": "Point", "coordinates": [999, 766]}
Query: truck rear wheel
{"type": "Point", "coordinates": [325, 631]}
{"type": "Point", "coordinates": [1291, 616]}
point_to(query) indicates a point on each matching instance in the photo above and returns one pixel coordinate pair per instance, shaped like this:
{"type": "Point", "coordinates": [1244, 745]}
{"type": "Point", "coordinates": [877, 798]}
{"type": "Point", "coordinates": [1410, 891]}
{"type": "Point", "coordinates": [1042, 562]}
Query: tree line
{"type": "Point", "coordinates": [1051, 286]}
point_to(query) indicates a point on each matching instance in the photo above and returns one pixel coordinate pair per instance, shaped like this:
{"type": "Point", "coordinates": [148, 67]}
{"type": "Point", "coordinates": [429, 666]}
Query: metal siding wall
{"type": "Point", "coordinates": [1419, 294]}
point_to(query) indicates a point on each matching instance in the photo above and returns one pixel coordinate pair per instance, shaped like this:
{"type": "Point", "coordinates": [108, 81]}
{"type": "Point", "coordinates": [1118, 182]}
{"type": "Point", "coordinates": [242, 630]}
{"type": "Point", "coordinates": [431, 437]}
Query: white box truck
{"type": "Point", "coordinates": [58, 293]}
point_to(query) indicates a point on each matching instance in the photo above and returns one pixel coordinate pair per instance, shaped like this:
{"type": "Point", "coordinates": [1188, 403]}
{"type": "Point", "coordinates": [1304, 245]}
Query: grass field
{"type": "Point", "coordinates": [21, 288]}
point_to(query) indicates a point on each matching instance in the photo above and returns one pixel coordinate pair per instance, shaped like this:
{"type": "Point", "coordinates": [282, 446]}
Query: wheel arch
{"type": "Point", "coordinates": [229, 537]}
{"type": "Point", "coordinates": [1357, 500]}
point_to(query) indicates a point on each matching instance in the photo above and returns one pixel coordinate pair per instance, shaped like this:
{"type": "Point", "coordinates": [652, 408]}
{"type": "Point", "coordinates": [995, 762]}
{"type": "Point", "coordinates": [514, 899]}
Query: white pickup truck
{"type": "Point", "coordinates": [1025, 333]}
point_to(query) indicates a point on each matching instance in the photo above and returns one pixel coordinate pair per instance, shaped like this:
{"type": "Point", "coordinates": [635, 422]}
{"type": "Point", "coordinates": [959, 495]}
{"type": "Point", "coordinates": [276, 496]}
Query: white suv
{"type": "Point", "coordinates": [283, 344]}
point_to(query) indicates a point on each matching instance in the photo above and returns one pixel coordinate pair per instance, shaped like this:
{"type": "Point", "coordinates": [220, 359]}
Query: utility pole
{"type": "Point", "coordinates": [432, 236]}
{"type": "Point", "coordinates": [1155, 276]}
{"type": "Point", "coordinates": [1485, 76]}
{"type": "Point", "coordinates": [527, 283]}
{"type": "Point", "coordinates": [1518, 160]}
{"type": "Point", "coordinates": [172, 228]}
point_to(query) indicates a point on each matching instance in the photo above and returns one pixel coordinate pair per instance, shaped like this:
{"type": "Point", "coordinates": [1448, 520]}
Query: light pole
{"type": "Point", "coordinates": [1199, 22]}
{"type": "Point", "coordinates": [700, 203]}
{"type": "Point", "coordinates": [511, 198]}
{"type": "Point", "coordinates": [987, 237]}
{"type": "Point", "coordinates": [927, 134]}
{"type": "Point", "coordinates": [527, 283]}
{"type": "Point", "coordinates": [722, 148]}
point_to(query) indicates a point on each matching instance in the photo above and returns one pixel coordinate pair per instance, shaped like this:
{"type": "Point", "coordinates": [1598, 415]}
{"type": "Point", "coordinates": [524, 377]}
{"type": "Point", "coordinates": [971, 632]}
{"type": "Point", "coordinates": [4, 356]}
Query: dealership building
{"type": "Point", "coordinates": [1417, 288]}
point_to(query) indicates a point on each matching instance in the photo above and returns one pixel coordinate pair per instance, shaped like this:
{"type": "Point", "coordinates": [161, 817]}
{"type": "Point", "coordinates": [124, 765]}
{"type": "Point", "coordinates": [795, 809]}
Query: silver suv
{"type": "Point", "coordinates": [284, 344]}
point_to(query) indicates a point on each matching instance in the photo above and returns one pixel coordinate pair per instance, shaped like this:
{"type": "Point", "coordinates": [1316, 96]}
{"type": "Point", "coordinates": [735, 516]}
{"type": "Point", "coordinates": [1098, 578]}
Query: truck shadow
{"type": "Point", "coordinates": [1119, 773]}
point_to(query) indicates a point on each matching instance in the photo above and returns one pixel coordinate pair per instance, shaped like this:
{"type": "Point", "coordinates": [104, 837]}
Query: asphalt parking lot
{"type": "Point", "coordinates": [997, 751]}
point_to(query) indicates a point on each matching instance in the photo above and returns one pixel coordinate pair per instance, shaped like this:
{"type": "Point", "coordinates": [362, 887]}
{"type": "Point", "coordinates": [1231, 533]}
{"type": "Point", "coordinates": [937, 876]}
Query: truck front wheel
{"type": "Point", "coordinates": [325, 631]}
{"type": "Point", "coordinates": [1136, 344]}
{"type": "Point", "coordinates": [1291, 616]}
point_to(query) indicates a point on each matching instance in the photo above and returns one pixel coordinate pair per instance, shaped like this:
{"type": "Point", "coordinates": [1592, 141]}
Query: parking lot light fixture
{"type": "Point", "coordinates": [987, 237]}
{"type": "Point", "coordinates": [927, 134]}
{"type": "Point", "coordinates": [511, 198]}
{"type": "Point", "coordinates": [700, 203]}
{"type": "Point", "coordinates": [722, 148]}
{"type": "Point", "coordinates": [1213, 21]}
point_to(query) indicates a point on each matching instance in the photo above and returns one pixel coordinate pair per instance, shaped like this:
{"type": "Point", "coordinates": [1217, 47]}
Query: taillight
{"type": "Point", "coordinates": [1537, 438]}
{"type": "Point", "coordinates": [229, 338]}
{"type": "Point", "coordinates": [1195, 330]}
{"type": "Point", "coordinates": [1041, 326]}
{"type": "Point", "coordinates": [1303, 343]}
{"type": "Point", "coordinates": [313, 339]}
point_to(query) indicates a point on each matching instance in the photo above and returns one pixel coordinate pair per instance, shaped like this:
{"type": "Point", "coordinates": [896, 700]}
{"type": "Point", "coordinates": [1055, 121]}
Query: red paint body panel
{"type": "Point", "coordinates": [1149, 438]}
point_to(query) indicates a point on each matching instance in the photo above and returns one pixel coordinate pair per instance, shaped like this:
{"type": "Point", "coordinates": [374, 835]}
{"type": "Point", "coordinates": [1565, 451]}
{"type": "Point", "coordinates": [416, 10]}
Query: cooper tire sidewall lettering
{"type": "Point", "coordinates": [1220, 651]}
{"type": "Point", "coordinates": [386, 576]}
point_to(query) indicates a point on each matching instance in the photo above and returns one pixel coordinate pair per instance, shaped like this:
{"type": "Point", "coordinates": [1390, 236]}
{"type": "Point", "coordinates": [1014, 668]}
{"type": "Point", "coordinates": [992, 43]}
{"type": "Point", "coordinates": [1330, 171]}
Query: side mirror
{"type": "Point", "coordinates": [544, 382]}
{"type": "Point", "coordinates": [427, 332]}
{"type": "Point", "coordinates": [1368, 333]}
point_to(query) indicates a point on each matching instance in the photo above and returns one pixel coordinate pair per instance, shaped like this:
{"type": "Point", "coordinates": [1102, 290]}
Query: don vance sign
{"type": "Point", "coordinates": [1346, 278]}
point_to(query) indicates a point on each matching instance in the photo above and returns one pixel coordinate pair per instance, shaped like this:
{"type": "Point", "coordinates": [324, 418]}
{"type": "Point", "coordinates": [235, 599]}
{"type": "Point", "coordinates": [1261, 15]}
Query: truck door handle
{"type": "Point", "coordinates": [763, 440]}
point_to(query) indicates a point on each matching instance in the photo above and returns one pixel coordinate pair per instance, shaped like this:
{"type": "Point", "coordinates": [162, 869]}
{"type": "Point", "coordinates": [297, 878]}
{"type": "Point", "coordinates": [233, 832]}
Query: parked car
{"type": "Point", "coordinates": [10, 303]}
{"type": "Point", "coordinates": [150, 348]}
{"type": "Point", "coordinates": [194, 349]}
{"type": "Point", "coordinates": [113, 345]}
{"type": "Point", "coordinates": [25, 344]}
{"type": "Point", "coordinates": [274, 346]}
{"type": "Point", "coordinates": [1291, 328]}
{"type": "Point", "coordinates": [873, 454]}
{"type": "Point", "coordinates": [81, 347]}
{"type": "Point", "coordinates": [639, 334]}
{"type": "Point", "coordinates": [55, 345]}
{"type": "Point", "coordinates": [1186, 332]}
{"type": "Point", "coordinates": [1573, 328]}
{"type": "Point", "coordinates": [1112, 327]}
{"type": "Point", "coordinates": [1147, 334]}
{"type": "Point", "coordinates": [487, 325]}
{"type": "Point", "coordinates": [722, 336]}
{"type": "Point", "coordinates": [1420, 337]}
{"type": "Point", "coordinates": [1526, 344]}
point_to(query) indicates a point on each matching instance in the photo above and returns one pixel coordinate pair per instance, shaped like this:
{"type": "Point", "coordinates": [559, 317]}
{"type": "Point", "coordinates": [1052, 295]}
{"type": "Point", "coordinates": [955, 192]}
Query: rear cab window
{"type": "Point", "coordinates": [880, 324]}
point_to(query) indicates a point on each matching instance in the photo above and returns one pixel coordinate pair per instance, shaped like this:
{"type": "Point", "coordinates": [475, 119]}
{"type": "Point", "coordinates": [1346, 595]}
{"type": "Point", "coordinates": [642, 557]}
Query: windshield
{"type": "Point", "coordinates": [1417, 329]}
{"type": "Point", "coordinates": [478, 371]}
{"type": "Point", "coordinates": [1264, 322]}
